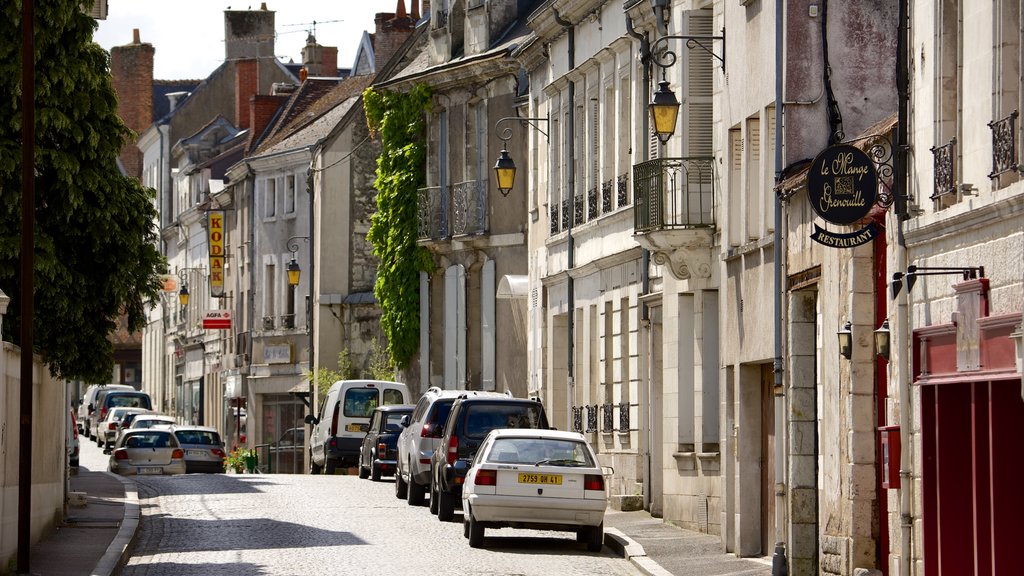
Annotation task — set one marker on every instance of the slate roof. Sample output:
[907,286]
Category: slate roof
[161,88]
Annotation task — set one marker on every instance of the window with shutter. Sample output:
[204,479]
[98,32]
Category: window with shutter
[735,196]
[698,70]
[754,210]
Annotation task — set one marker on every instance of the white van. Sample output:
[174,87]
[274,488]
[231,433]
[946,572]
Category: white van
[344,417]
[87,409]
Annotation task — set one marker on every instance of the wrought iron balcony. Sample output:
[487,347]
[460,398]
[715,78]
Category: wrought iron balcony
[433,213]
[945,170]
[674,212]
[592,204]
[1004,145]
[469,208]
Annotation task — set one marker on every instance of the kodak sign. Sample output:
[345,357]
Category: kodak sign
[215,228]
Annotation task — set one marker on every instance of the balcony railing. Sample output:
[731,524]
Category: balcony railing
[553,215]
[945,169]
[1004,145]
[623,190]
[606,196]
[469,207]
[433,213]
[592,204]
[674,193]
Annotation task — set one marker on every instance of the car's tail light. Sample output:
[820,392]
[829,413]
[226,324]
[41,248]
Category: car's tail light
[178,454]
[334,420]
[382,450]
[120,454]
[486,477]
[593,482]
[103,414]
[453,449]
[112,426]
[426,431]
[219,453]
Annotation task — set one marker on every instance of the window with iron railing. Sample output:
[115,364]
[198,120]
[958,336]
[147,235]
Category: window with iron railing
[469,201]
[674,193]
[433,213]
[553,216]
[945,175]
[606,196]
[592,204]
[1004,145]
[578,210]
[622,190]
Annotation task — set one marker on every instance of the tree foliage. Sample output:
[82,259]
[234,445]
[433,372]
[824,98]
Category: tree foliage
[96,256]
[399,119]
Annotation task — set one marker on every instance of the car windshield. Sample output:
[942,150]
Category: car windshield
[540,451]
[130,401]
[201,437]
[482,418]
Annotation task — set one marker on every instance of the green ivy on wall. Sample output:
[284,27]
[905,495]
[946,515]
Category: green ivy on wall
[398,117]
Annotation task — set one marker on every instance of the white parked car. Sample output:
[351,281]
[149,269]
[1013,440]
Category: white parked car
[147,451]
[537,479]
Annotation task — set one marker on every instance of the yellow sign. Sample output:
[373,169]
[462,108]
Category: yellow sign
[215,229]
[540,478]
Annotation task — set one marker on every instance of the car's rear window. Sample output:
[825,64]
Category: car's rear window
[393,397]
[204,437]
[549,451]
[360,402]
[481,418]
[149,439]
[442,408]
[393,421]
[128,400]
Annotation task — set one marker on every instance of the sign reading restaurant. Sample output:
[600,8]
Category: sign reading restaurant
[842,186]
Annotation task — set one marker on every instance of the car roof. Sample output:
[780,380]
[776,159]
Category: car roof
[190,428]
[536,433]
[478,396]
[163,417]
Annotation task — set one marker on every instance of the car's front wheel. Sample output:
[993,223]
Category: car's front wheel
[433,498]
[314,468]
[476,532]
[445,507]
[417,493]
[401,488]
[330,466]
[375,472]
[363,472]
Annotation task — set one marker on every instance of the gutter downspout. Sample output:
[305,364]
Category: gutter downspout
[780,565]
[903,337]
[570,133]
[250,184]
[645,260]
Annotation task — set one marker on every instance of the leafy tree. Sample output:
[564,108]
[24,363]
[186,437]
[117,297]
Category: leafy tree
[399,119]
[95,242]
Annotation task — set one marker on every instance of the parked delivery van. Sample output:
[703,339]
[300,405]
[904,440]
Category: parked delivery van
[344,418]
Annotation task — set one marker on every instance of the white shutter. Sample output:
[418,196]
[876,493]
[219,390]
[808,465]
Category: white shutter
[424,328]
[487,329]
[698,69]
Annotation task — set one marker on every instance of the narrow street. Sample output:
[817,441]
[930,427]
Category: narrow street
[299,524]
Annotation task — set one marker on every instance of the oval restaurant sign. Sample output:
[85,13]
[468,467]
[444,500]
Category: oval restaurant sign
[842,184]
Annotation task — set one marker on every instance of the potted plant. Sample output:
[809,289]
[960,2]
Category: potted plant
[236,459]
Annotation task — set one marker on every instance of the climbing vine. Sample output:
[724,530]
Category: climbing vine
[398,117]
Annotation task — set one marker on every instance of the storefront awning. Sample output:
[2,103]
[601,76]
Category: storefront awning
[513,287]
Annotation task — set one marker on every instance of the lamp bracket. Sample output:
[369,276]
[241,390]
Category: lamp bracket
[665,58]
[967,272]
[506,134]
[182,273]
[293,244]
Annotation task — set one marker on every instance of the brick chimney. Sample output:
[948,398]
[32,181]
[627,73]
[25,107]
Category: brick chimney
[391,32]
[249,33]
[262,108]
[131,69]
[319,60]
[247,83]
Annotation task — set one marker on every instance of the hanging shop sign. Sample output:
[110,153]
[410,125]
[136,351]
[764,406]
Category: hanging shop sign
[217,320]
[215,230]
[842,186]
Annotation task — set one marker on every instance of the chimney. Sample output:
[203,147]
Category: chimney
[249,33]
[262,108]
[131,70]
[414,9]
[247,81]
[319,60]
[391,32]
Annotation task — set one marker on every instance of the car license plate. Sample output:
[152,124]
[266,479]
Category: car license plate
[196,452]
[540,479]
[150,470]
[356,427]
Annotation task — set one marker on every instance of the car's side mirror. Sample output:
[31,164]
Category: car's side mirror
[461,466]
[311,420]
[405,421]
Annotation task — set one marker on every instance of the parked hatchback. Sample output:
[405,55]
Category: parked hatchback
[421,435]
[379,449]
[204,449]
[148,451]
[538,479]
[473,416]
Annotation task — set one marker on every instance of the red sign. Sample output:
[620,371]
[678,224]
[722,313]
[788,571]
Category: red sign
[217,320]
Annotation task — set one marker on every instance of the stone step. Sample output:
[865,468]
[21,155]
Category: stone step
[627,502]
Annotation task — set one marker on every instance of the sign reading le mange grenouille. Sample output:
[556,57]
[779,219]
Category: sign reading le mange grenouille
[842,184]
[215,229]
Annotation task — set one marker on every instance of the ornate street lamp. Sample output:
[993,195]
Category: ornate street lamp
[664,109]
[294,271]
[846,340]
[505,167]
[882,340]
[183,295]
[664,105]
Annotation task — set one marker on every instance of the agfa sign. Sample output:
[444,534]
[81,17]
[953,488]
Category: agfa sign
[217,320]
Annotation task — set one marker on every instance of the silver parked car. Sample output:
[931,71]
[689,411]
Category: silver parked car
[204,449]
[420,436]
[147,451]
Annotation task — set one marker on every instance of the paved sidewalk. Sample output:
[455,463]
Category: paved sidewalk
[661,549]
[93,537]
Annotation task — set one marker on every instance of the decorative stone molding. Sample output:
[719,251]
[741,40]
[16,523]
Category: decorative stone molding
[686,252]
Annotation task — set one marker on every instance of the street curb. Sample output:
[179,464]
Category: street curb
[632,550]
[117,553]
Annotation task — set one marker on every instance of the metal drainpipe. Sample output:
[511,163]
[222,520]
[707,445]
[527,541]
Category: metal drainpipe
[645,256]
[570,131]
[780,566]
[251,184]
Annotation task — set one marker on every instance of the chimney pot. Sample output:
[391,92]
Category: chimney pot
[136,39]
